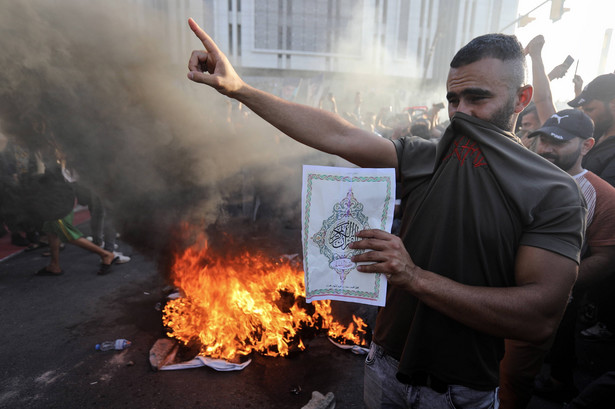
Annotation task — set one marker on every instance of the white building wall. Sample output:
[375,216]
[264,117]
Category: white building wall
[371,43]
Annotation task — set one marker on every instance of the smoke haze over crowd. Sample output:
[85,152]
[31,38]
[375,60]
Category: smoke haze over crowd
[127,119]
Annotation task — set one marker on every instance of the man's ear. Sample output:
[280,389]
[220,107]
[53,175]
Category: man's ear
[524,97]
[588,144]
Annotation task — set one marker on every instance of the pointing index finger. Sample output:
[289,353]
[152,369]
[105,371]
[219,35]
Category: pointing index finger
[209,44]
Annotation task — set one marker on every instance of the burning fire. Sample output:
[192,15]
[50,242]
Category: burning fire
[236,305]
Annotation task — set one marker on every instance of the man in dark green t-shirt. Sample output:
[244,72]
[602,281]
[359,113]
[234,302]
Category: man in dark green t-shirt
[490,235]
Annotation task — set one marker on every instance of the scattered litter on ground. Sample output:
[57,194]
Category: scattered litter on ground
[320,401]
[174,295]
[217,364]
[118,345]
[162,352]
[356,349]
[163,356]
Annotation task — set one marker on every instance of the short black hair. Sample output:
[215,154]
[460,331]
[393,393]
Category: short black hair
[501,46]
[504,47]
[530,109]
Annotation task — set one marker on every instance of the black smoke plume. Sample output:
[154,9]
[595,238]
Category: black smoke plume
[156,148]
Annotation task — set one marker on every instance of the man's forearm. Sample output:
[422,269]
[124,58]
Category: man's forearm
[319,129]
[529,311]
[507,312]
[542,89]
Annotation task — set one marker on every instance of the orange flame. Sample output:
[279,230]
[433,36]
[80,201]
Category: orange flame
[237,305]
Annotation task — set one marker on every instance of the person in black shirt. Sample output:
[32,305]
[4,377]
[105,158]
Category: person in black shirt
[597,100]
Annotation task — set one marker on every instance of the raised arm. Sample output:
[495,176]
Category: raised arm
[319,129]
[578,85]
[542,88]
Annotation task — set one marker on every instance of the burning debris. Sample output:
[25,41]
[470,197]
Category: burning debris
[169,355]
[162,353]
[236,305]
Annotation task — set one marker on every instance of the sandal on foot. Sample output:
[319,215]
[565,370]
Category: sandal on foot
[106,268]
[36,246]
[33,246]
[44,272]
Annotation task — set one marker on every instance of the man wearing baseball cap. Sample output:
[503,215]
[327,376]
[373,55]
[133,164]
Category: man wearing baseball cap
[564,139]
[598,101]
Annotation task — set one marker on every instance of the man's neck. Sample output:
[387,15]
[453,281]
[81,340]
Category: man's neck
[575,169]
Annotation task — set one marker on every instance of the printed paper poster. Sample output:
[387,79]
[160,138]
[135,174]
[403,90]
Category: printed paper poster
[336,204]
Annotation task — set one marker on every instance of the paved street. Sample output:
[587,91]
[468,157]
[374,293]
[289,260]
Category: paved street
[50,326]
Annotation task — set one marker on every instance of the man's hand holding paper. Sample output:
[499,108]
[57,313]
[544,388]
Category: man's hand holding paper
[388,256]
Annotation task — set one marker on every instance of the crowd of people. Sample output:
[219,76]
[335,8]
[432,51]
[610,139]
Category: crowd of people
[418,121]
[504,241]
[39,197]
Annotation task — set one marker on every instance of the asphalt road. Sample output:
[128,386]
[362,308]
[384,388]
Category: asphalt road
[50,326]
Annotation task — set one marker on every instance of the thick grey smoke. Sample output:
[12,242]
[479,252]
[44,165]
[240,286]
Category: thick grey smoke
[129,122]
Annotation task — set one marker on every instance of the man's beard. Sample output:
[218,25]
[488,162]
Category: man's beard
[565,162]
[603,124]
[503,118]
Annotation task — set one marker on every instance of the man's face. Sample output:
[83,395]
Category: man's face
[530,122]
[563,154]
[481,89]
[600,113]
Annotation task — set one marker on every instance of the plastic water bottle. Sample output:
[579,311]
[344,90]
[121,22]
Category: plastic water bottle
[118,345]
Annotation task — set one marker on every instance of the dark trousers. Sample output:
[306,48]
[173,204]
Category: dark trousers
[597,395]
